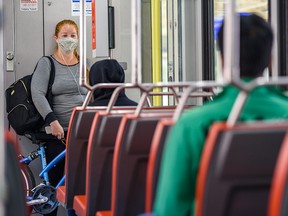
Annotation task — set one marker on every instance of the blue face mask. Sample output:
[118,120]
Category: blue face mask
[67,44]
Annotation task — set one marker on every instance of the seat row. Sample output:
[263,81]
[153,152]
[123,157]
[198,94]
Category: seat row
[113,161]
[106,159]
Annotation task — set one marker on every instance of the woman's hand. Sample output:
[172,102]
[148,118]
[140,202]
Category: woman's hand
[57,129]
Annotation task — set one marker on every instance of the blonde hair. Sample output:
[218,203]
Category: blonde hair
[59,27]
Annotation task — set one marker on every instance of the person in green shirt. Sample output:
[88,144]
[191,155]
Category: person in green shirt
[181,156]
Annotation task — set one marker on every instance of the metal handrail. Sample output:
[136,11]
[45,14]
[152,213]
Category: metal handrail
[192,88]
[146,89]
[91,89]
[192,94]
[246,88]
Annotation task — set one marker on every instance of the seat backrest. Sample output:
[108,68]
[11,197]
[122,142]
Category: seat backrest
[100,152]
[130,164]
[155,157]
[99,161]
[278,196]
[236,168]
[76,150]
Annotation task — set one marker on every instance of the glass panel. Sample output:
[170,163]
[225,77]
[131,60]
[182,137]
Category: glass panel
[164,32]
[164,21]
[253,6]
[170,44]
[260,7]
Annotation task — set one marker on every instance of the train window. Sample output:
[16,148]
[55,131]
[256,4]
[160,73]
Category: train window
[253,6]
[164,45]
[261,7]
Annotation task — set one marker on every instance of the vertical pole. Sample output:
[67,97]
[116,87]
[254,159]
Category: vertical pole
[156,46]
[93,28]
[231,42]
[82,43]
[274,25]
[136,41]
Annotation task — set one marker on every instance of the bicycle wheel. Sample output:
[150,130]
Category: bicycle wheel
[28,179]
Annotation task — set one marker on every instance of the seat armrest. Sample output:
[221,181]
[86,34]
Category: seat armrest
[104,213]
[60,194]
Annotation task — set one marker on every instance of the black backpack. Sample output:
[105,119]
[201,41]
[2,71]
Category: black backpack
[22,114]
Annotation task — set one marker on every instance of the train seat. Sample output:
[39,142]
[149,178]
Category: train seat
[75,161]
[278,196]
[130,164]
[158,143]
[99,165]
[236,168]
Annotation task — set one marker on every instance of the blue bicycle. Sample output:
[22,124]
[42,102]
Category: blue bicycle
[41,197]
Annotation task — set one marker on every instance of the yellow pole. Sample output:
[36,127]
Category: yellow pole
[156,47]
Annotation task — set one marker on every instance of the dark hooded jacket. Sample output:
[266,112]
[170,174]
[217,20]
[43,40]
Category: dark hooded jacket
[108,71]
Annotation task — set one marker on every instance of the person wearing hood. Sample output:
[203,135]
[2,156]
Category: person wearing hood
[108,71]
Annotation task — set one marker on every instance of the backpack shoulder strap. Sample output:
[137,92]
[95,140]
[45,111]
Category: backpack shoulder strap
[49,95]
[52,73]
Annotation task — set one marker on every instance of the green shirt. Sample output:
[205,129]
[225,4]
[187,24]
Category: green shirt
[176,187]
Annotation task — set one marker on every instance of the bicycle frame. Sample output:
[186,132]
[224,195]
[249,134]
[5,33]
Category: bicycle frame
[40,152]
[47,167]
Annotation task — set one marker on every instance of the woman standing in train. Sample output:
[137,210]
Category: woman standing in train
[66,91]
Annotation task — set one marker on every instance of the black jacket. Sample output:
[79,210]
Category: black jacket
[108,71]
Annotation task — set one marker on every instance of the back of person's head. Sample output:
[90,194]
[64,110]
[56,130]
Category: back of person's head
[256,39]
[105,71]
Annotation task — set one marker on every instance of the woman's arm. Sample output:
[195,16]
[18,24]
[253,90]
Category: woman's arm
[39,86]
